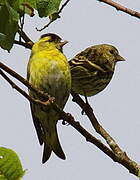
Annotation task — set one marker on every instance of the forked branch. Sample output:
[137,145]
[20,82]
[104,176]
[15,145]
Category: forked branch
[115,153]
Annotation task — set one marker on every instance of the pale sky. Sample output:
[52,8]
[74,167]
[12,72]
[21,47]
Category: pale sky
[83,23]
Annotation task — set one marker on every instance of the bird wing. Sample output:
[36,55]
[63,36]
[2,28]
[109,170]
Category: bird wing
[37,125]
[85,63]
[36,122]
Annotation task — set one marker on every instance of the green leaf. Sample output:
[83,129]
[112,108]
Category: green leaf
[47,7]
[14,16]
[25,6]
[31,3]
[27,9]
[10,13]
[54,16]
[8,25]
[10,165]
[2,177]
[2,2]
[21,6]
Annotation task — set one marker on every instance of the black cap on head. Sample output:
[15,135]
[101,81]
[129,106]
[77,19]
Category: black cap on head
[54,37]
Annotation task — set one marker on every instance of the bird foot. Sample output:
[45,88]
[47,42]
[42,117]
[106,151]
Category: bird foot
[85,108]
[65,123]
[51,99]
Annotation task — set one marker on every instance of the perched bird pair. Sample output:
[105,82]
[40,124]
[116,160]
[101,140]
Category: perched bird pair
[48,70]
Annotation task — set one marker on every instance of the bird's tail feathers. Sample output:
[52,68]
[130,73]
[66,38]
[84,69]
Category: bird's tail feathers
[56,147]
[46,153]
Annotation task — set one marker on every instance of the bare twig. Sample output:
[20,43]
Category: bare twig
[24,35]
[62,7]
[99,129]
[24,44]
[52,20]
[123,159]
[14,86]
[121,8]
[120,155]
[24,81]
[28,43]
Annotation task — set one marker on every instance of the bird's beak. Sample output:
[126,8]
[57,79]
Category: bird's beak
[61,44]
[120,58]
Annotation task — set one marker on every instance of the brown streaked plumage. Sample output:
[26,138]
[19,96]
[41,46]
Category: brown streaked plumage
[93,68]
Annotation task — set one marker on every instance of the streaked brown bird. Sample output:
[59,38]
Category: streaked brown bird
[93,68]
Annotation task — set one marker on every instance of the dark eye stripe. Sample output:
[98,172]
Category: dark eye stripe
[111,51]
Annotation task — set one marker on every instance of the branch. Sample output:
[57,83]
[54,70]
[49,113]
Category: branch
[120,155]
[14,86]
[123,159]
[64,116]
[23,35]
[24,81]
[121,8]
[99,129]
[28,43]
[41,29]
[62,7]
[24,44]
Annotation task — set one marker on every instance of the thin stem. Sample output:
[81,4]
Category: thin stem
[99,129]
[52,20]
[63,5]
[24,35]
[24,81]
[121,8]
[24,44]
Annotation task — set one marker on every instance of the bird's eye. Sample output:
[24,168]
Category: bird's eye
[111,51]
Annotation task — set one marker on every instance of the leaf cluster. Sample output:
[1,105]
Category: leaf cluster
[12,11]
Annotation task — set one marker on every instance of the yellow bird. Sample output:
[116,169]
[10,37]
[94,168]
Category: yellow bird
[48,71]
